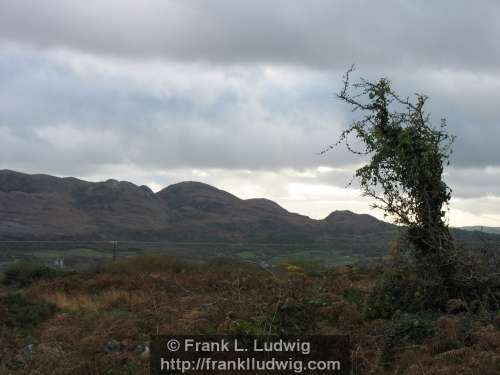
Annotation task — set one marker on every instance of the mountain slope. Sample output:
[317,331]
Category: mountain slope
[47,207]
[42,207]
[492,230]
[203,212]
[348,222]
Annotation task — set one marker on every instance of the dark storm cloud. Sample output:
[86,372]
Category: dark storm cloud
[319,33]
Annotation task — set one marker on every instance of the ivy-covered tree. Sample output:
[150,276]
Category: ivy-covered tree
[404,172]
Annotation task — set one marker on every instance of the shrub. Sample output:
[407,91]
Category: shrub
[477,280]
[299,264]
[252,326]
[23,274]
[293,317]
[406,329]
[406,286]
[20,312]
[148,264]
[401,288]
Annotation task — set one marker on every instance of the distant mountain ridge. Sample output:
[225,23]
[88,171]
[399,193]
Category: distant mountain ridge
[43,207]
[479,228]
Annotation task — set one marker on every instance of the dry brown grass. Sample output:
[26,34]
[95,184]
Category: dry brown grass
[108,299]
[126,307]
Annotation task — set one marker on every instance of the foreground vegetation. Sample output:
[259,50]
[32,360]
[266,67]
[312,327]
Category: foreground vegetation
[99,321]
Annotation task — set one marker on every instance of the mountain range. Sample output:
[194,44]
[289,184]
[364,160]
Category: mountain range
[43,207]
[479,228]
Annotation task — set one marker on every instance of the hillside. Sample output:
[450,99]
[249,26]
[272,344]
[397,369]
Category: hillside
[42,207]
[492,230]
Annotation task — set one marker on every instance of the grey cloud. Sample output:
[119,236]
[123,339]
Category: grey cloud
[52,115]
[318,33]
[474,182]
[117,114]
[482,208]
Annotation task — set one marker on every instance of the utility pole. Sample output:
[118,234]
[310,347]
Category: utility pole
[115,243]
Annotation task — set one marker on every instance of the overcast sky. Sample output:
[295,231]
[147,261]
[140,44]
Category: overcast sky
[241,94]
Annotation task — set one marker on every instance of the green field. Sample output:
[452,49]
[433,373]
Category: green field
[84,255]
